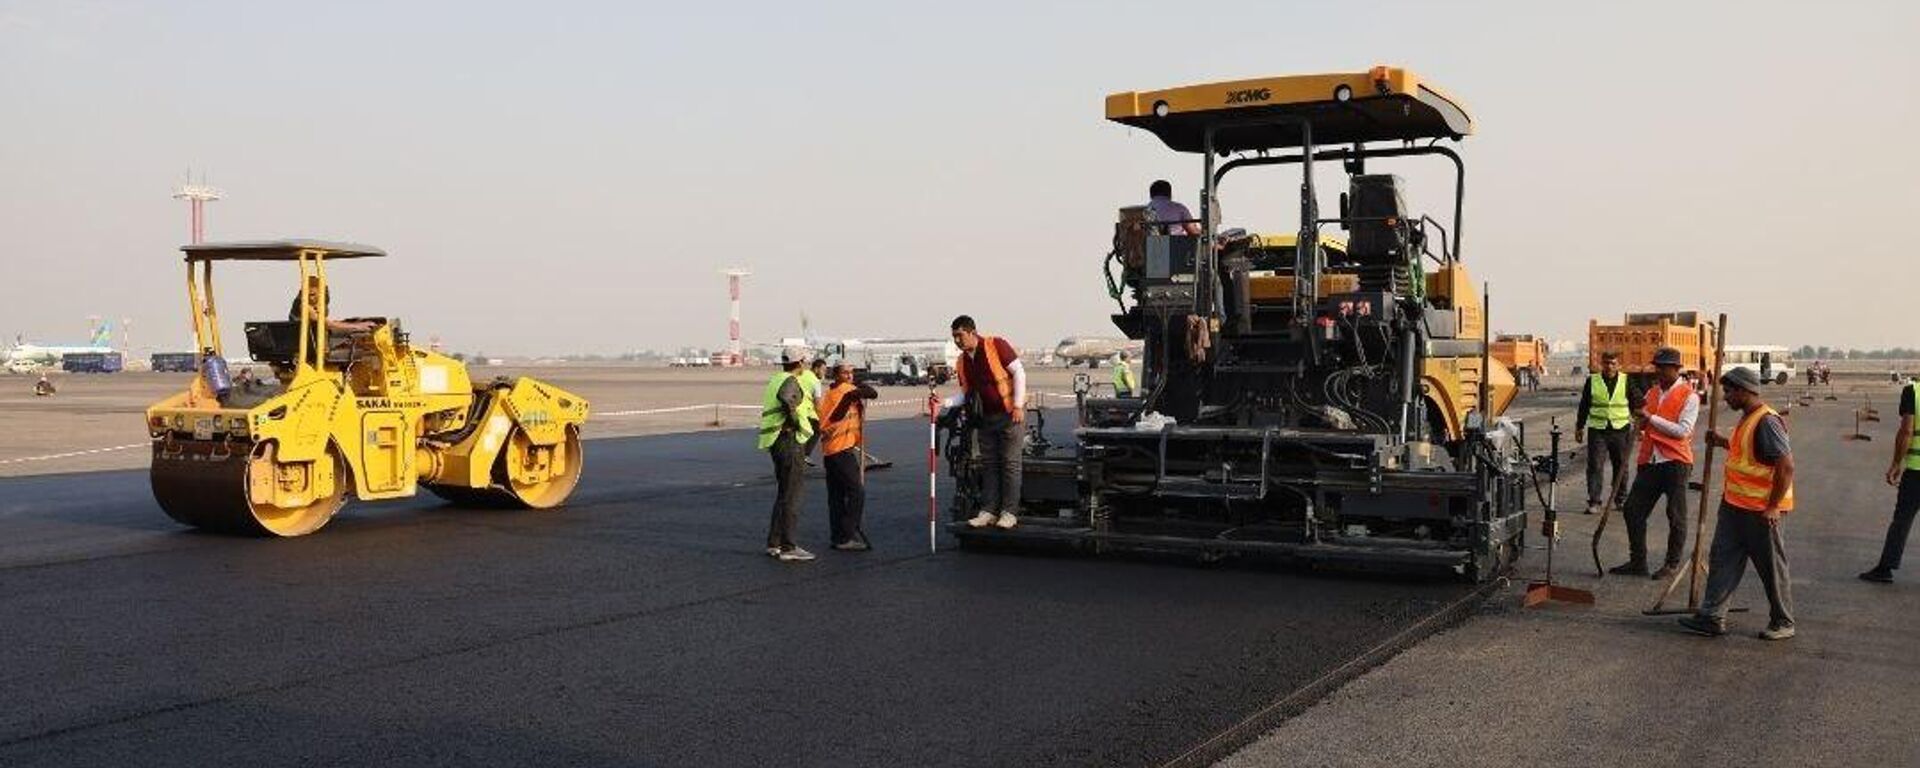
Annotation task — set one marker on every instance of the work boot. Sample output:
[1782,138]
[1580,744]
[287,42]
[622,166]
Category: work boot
[1007,521]
[1704,625]
[1629,568]
[981,520]
[1776,632]
[1878,575]
[795,555]
[1666,572]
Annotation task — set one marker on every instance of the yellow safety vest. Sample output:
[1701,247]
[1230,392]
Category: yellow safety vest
[773,413]
[1913,444]
[1748,482]
[1123,377]
[1608,410]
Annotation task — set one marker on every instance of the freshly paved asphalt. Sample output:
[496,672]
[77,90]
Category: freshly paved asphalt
[643,625]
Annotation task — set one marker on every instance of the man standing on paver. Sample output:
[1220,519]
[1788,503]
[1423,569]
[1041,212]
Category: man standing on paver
[1665,462]
[1757,494]
[1905,475]
[993,386]
[1606,410]
[786,425]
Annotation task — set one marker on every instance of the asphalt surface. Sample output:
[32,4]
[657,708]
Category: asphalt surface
[1605,685]
[643,625]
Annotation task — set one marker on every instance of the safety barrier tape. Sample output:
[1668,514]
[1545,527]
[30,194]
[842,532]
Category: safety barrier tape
[71,454]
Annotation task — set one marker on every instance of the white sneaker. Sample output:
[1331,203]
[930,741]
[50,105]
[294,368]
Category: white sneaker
[1007,521]
[795,555]
[981,520]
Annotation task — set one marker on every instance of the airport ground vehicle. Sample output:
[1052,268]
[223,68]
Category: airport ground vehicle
[1644,333]
[360,411]
[1333,403]
[173,362]
[92,362]
[1774,364]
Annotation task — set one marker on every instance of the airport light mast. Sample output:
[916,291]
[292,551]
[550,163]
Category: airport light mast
[197,197]
[734,356]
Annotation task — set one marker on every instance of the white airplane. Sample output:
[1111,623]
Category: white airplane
[31,358]
[1094,350]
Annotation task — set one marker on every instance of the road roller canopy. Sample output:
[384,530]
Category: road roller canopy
[277,250]
[1383,104]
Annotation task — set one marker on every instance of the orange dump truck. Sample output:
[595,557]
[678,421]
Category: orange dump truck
[1519,351]
[1643,333]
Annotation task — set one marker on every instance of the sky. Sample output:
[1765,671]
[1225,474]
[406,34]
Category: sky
[563,177]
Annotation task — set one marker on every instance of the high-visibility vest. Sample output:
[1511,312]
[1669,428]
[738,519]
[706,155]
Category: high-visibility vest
[841,434]
[809,383]
[1913,444]
[773,413]
[1667,404]
[1123,377]
[1002,380]
[1608,410]
[1749,482]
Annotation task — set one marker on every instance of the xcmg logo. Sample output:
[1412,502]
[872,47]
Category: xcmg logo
[1249,95]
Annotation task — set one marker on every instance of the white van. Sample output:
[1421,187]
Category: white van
[1773,364]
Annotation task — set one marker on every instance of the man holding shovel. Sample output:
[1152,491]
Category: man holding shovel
[1757,493]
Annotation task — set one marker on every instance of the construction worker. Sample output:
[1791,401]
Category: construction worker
[811,383]
[993,386]
[1164,210]
[786,426]
[1904,474]
[43,387]
[1605,411]
[1665,462]
[321,302]
[843,414]
[1123,382]
[1758,492]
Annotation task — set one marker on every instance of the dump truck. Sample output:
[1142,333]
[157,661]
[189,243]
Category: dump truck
[1641,334]
[354,409]
[1520,350]
[1322,395]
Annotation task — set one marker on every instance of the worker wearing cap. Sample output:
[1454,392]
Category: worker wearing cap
[1665,462]
[1123,382]
[1606,411]
[842,418]
[1757,495]
[786,425]
[1905,475]
[43,387]
[993,385]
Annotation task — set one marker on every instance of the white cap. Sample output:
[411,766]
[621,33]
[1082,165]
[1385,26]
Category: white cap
[794,354]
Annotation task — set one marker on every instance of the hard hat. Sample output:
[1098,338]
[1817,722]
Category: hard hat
[1667,356]
[1742,377]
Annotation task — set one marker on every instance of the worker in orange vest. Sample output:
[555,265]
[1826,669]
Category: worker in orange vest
[843,413]
[1756,496]
[1665,462]
[993,385]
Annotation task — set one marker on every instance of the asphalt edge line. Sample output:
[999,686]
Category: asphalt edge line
[1230,740]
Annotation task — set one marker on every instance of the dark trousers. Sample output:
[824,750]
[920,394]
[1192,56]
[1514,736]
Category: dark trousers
[846,497]
[1650,482]
[1000,440]
[789,468]
[1604,445]
[1740,537]
[1905,505]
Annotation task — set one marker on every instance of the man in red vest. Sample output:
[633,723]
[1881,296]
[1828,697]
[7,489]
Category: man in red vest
[993,386]
[1665,423]
[1758,493]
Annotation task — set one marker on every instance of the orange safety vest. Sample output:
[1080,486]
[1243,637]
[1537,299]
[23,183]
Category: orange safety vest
[840,434]
[1002,381]
[1667,404]
[1748,481]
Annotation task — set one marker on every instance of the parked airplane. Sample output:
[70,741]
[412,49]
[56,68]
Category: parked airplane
[1094,350]
[29,358]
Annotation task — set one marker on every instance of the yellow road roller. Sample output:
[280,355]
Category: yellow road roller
[352,407]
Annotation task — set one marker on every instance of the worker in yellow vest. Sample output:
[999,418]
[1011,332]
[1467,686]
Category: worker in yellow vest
[1905,475]
[1123,381]
[1665,462]
[993,384]
[812,382]
[843,413]
[1757,493]
[1605,413]
[786,426]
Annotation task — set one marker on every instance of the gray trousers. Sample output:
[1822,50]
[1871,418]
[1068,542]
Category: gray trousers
[1739,537]
[1604,445]
[1905,505]
[1650,482]
[1000,440]
[789,468]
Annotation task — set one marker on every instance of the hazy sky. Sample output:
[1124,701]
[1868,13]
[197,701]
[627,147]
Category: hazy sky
[568,177]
